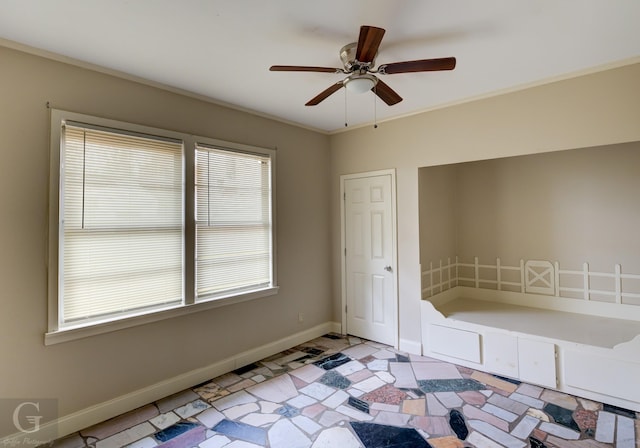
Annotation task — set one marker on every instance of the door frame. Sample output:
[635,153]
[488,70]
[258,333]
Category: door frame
[394,244]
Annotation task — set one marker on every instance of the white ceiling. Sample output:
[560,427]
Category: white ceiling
[222,49]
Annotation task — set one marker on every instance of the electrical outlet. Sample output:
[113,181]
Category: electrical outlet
[300,317]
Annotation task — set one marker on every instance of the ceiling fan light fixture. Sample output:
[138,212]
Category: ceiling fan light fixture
[360,83]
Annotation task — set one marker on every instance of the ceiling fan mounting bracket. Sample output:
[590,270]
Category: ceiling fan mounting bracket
[349,61]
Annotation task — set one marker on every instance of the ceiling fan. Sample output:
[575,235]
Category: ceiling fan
[358,59]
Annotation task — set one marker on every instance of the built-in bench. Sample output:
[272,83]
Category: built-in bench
[582,347]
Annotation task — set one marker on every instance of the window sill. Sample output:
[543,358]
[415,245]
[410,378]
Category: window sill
[71,334]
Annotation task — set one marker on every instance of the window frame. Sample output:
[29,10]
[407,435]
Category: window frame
[190,303]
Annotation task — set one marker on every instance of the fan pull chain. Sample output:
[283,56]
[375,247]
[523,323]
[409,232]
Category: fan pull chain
[345,108]
[375,111]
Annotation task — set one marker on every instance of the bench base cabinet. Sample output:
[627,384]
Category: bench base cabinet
[532,344]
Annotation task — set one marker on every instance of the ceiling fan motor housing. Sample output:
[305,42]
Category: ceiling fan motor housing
[349,61]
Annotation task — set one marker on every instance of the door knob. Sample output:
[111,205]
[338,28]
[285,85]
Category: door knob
[388,268]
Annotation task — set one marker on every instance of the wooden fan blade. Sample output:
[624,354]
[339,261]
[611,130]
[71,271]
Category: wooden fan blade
[302,68]
[386,93]
[325,94]
[368,43]
[422,65]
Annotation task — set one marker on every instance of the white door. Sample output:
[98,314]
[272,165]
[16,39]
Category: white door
[369,243]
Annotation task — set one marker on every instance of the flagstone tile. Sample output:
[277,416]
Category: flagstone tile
[473,397]
[241,385]
[384,354]
[386,377]
[449,399]
[560,431]
[434,407]
[625,434]
[336,438]
[227,379]
[438,426]
[336,399]
[378,364]
[277,389]
[528,400]
[331,418]
[163,421]
[355,392]
[384,407]
[479,441]
[529,390]
[284,360]
[301,401]
[559,399]
[306,424]
[508,404]
[353,413]
[493,381]
[403,374]
[359,351]
[360,375]
[242,431]
[500,413]
[333,361]
[211,391]
[370,384]
[525,427]
[235,399]
[349,367]
[473,413]
[334,379]
[496,435]
[415,407]
[386,394]
[308,373]
[241,410]
[318,391]
[373,435]
[216,441]
[435,371]
[191,409]
[314,410]
[257,419]
[446,442]
[210,418]
[392,418]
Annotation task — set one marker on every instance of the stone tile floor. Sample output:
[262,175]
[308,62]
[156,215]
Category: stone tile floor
[344,392]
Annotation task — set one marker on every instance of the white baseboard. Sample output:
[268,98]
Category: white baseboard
[84,418]
[413,347]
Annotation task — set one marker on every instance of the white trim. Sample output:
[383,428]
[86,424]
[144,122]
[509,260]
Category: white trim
[343,245]
[413,347]
[70,334]
[100,412]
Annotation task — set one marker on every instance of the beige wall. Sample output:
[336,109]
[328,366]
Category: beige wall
[571,206]
[592,110]
[438,207]
[93,370]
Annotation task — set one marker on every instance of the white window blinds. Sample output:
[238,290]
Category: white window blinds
[233,222]
[121,224]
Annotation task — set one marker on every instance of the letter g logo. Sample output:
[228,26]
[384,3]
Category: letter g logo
[32,419]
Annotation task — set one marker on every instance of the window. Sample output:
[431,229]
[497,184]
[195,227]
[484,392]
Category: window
[233,221]
[146,224]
